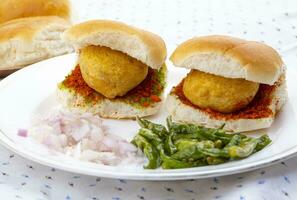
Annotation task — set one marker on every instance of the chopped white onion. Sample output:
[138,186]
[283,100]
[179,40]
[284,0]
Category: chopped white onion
[23,132]
[83,136]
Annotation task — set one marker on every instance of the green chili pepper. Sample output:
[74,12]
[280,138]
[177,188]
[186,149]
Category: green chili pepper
[263,141]
[150,135]
[178,128]
[171,163]
[218,144]
[244,149]
[235,140]
[215,161]
[215,152]
[169,146]
[190,151]
[188,145]
[156,128]
[149,151]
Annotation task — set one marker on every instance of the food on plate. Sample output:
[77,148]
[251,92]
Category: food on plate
[113,68]
[232,81]
[10,10]
[187,145]
[206,91]
[82,136]
[28,40]
[120,72]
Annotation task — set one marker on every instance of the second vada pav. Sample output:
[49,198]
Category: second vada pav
[120,71]
[233,82]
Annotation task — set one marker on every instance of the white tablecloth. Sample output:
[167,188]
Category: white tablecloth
[273,22]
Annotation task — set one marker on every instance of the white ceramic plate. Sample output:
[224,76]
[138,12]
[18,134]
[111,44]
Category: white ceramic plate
[31,91]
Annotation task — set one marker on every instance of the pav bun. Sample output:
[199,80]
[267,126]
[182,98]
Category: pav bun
[10,9]
[121,69]
[142,45]
[28,40]
[231,59]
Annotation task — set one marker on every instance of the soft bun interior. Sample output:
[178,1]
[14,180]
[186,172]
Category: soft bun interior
[28,40]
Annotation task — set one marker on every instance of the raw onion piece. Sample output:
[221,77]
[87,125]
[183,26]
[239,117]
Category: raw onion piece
[83,136]
[22,132]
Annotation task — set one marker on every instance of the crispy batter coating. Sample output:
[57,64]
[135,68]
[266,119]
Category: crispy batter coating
[110,72]
[218,93]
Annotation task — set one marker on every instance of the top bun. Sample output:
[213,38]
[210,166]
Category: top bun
[230,57]
[10,9]
[142,45]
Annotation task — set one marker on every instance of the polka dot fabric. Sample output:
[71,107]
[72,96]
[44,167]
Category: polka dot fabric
[272,22]
[23,179]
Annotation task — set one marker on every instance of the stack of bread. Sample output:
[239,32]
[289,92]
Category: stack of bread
[30,31]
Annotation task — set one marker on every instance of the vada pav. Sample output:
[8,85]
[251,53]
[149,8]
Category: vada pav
[120,72]
[233,82]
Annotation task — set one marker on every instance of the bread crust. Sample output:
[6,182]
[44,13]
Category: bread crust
[25,29]
[28,40]
[10,10]
[230,57]
[142,45]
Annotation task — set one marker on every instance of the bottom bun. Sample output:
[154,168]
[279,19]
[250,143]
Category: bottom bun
[143,100]
[105,108]
[182,112]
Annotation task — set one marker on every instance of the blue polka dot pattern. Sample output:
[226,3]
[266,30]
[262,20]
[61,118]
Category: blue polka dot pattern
[272,22]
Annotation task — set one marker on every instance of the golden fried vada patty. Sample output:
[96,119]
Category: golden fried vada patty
[218,93]
[110,72]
